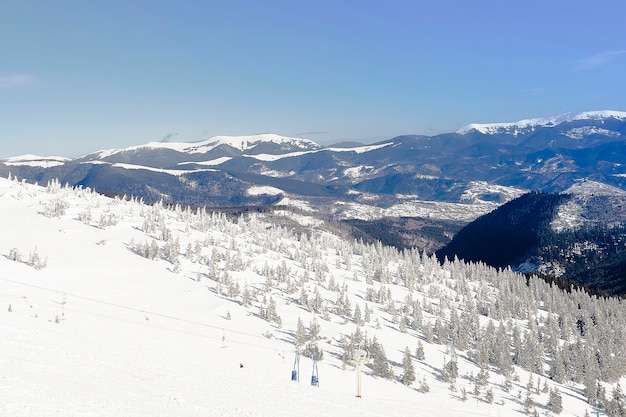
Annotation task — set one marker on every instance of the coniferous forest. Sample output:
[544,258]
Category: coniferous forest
[520,233]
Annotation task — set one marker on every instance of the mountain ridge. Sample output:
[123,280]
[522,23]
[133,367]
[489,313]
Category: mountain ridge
[427,177]
[493,128]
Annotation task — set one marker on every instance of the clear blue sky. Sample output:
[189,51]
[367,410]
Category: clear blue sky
[80,76]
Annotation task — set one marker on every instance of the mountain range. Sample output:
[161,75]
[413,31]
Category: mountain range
[409,191]
[484,164]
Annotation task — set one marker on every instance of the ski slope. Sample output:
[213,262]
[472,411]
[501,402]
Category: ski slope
[95,329]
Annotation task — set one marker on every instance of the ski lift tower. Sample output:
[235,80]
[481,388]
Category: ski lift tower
[295,373]
[360,359]
[314,376]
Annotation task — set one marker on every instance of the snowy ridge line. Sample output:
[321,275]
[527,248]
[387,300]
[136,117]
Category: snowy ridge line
[491,128]
[241,143]
[152,313]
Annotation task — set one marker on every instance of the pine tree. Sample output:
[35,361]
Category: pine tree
[368,313]
[314,330]
[357,315]
[317,303]
[300,333]
[428,331]
[409,371]
[591,387]
[380,363]
[616,407]
[303,300]
[555,401]
[419,351]
[272,313]
[246,298]
[529,404]
[449,371]
[424,387]
[489,396]
[402,325]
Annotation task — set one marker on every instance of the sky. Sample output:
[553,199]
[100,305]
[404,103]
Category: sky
[77,76]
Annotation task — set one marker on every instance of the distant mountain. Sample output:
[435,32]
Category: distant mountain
[528,125]
[578,236]
[453,177]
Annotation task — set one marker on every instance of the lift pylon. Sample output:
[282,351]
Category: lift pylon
[314,376]
[295,373]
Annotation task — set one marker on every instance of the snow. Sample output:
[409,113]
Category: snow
[99,330]
[478,189]
[361,149]
[275,157]
[570,215]
[244,143]
[276,174]
[473,204]
[263,190]
[439,210]
[36,161]
[518,127]
[241,143]
[212,162]
[358,171]
[175,172]
[580,132]
[412,206]
[588,188]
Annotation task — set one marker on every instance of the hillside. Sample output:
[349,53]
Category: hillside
[508,235]
[574,238]
[112,306]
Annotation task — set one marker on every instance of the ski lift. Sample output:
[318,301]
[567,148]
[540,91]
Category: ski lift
[360,357]
[314,376]
[295,373]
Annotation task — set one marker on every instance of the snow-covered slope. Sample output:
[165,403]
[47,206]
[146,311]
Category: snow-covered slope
[36,161]
[241,143]
[112,307]
[514,128]
[577,212]
[587,188]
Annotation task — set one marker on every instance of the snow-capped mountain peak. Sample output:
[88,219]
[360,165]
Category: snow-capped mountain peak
[244,143]
[241,143]
[520,126]
[36,160]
